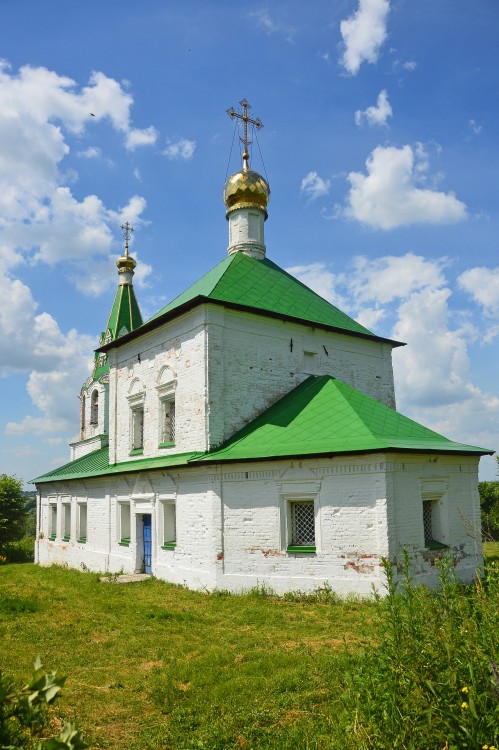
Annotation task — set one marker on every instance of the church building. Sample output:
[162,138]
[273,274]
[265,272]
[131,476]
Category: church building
[247,435]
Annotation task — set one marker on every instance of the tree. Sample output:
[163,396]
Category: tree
[489,505]
[13,511]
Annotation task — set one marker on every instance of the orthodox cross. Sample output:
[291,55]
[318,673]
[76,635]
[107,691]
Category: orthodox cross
[246,119]
[127,235]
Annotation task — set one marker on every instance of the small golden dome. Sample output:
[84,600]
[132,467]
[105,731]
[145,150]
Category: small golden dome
[126,264]
[246,189]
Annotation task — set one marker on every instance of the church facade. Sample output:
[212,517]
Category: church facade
[247,435]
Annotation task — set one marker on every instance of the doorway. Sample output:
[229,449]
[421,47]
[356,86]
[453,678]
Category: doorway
[147,541]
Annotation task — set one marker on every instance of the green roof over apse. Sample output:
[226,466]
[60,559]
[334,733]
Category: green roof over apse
[96,464]
[125,316]
[325,416]
[262,287]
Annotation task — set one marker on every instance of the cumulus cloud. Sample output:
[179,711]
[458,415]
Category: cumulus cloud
[408,298]
[364,33]
[146,137]
[389,195]
[41,218]
[378,114]
[183,149]
[314,186]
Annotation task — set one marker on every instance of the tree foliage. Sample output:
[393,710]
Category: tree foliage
[13,512]
[489,505]
[23,714]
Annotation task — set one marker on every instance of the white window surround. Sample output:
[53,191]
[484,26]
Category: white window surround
[52,526]
[434,514]
[136,405]
[295,492]
[124,523]
[169,524]
[166,414]
[81,520]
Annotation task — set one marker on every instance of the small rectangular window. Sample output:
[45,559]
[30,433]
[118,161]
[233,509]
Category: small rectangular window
[310,360]
[82,522]
[137,428]
[66,520]
[302,526]
[167,436]
[169,526]
[52,521]
[124,524]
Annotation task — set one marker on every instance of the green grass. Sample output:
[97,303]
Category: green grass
[151,665]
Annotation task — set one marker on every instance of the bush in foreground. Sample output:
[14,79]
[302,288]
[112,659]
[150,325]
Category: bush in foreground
[434,679]
[23,714]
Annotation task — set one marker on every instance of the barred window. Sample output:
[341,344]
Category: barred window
[168,424]
[427,520]
[302,524]
[94,411]
[137,428]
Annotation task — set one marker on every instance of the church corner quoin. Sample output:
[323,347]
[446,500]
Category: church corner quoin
[247,435]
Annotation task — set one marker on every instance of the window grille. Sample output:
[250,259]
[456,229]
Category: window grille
[427,520]
[138,428]
[302,524]
[168,421]
[94,412]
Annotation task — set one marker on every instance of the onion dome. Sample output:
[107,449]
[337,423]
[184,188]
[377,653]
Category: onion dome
[246,189]
[126,263]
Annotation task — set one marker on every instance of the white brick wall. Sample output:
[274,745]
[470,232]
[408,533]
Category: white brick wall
[231,521]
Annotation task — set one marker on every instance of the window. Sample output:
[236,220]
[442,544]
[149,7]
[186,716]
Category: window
[94,409]
[52,521]
[66,521]
[169,526]
[137,428]
[310,363]
[167,436]
[302,526]
[82,522]
[433,527]
[82,419]
[124,524]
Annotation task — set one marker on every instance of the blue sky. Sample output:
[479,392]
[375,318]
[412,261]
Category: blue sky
[380,145]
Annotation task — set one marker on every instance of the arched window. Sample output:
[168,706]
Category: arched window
[82,415]
[94,412]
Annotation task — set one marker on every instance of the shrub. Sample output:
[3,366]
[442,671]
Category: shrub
[433,681]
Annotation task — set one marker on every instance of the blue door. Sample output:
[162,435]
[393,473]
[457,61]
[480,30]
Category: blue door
[147,538]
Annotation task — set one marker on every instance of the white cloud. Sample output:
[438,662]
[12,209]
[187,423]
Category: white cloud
[181,149]
[146,137]
[376,115]
[411,297]
[41,218]
[393,277]
[314,186]
[92,152]
[483,286]
[474,127]
[388,196]
[364,33]
[266,22]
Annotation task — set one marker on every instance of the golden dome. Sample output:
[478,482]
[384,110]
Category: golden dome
[246,189]
[126,264]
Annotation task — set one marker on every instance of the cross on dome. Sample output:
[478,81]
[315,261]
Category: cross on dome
[127,235]
[245,119]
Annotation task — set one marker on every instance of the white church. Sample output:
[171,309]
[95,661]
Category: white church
[247,435]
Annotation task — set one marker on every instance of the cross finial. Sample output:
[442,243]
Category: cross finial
[127,235]
[246,119]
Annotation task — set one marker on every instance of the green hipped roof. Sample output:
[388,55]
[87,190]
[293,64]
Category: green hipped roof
[96,464]
[265,287]
[321,416]
[125,316]
[325,416]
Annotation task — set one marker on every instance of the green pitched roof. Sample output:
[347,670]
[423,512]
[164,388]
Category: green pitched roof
[125,316]
[96,464]
[264,287]
[321,416]
[325,416]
